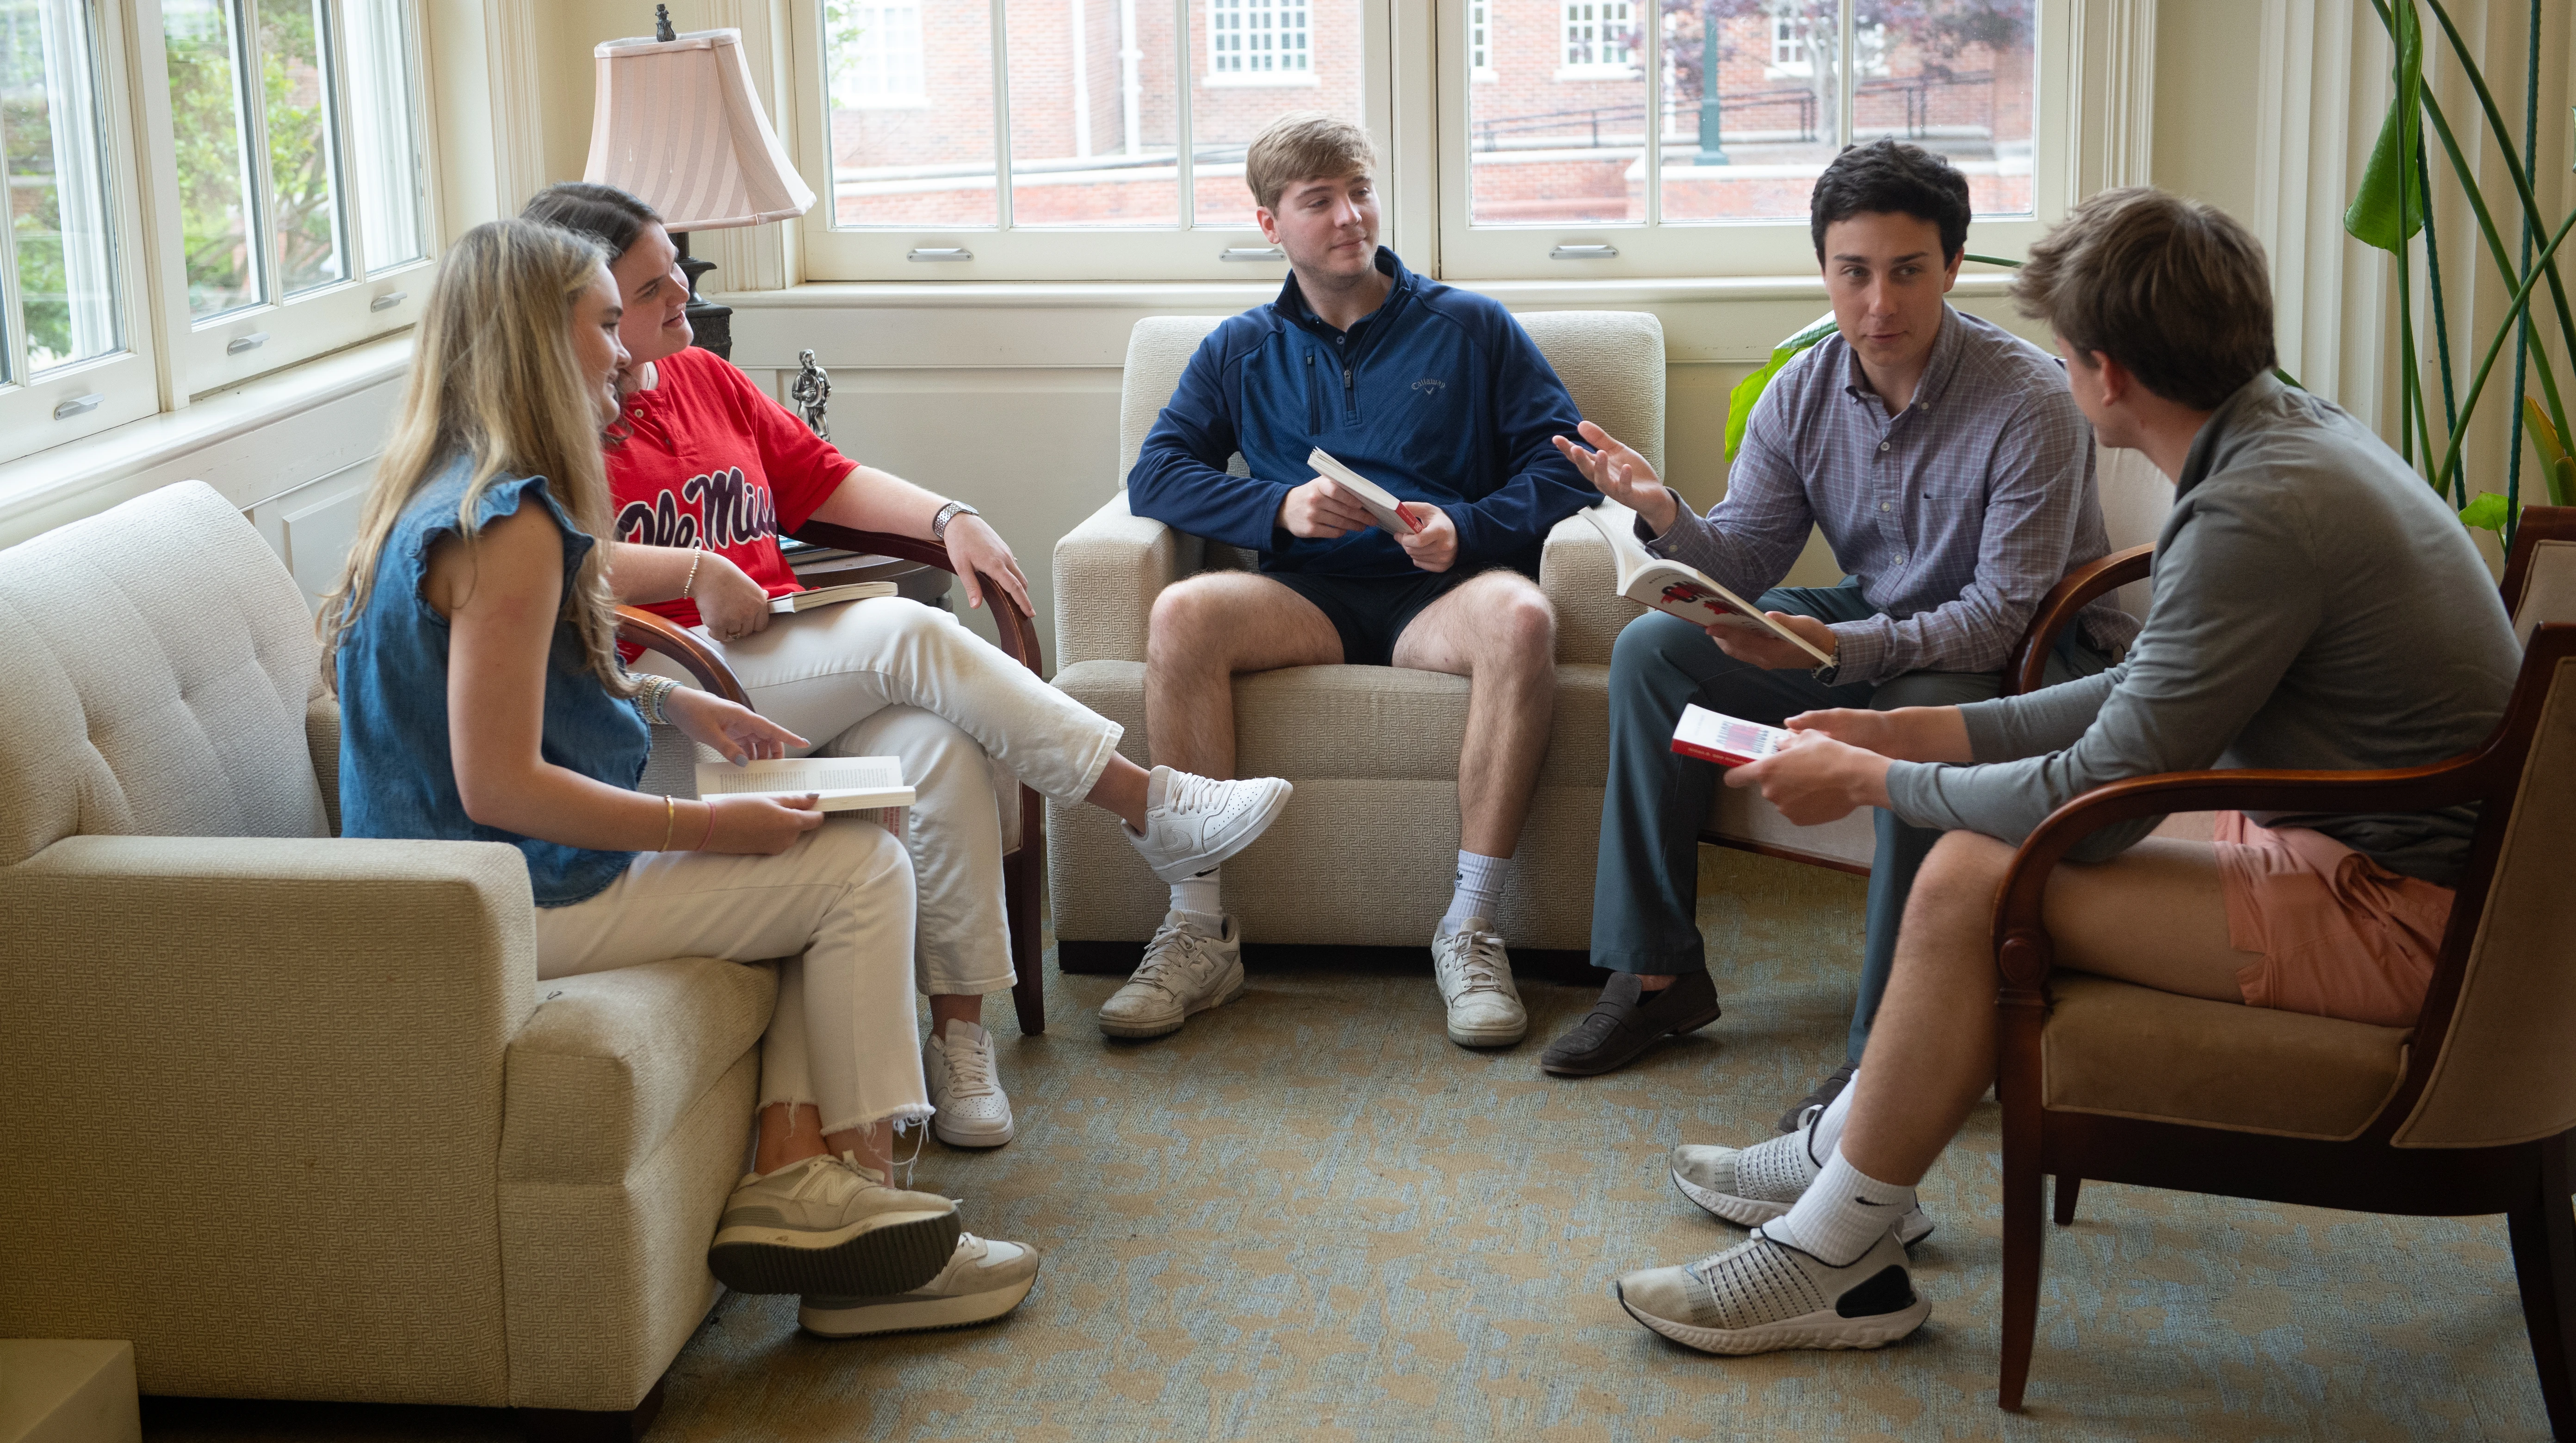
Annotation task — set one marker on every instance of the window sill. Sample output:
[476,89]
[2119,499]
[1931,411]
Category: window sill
[52,486]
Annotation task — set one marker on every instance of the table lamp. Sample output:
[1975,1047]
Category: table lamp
[678,125]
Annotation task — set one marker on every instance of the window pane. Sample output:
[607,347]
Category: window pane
[211,130]
[383,137]
[303,149]
[1755,152]
[1559,133]
[1259,60]
[1954,76]
[911,87]
[1094,135]
[57,184]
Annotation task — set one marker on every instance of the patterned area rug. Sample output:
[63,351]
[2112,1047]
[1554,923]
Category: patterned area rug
[1309,1215]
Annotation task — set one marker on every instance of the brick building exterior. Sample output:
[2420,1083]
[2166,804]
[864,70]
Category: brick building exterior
[1556,106]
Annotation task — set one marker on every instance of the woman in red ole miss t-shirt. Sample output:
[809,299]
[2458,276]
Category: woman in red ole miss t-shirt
[706,472]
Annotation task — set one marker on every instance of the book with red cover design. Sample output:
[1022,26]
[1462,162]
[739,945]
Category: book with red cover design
[1679,588]
[1728,741]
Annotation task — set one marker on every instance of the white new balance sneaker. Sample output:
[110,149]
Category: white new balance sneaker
[1193,823]
[1475,976]
[966,1087]
[1185,971]
[830,1225]
[1761,1296]
[982,1281]
[1751,1185]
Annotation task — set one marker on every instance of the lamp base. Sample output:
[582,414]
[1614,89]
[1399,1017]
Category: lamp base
[712,325]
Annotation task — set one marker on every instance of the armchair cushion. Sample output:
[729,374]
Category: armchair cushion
[610,1060]
[2127,1051]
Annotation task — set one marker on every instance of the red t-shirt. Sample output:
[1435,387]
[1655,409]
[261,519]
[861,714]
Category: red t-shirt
[710,461]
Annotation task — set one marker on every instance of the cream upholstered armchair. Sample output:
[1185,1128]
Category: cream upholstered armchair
[1361,858]
[292,1112]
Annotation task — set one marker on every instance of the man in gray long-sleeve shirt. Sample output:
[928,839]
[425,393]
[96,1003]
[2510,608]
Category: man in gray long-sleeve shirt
[1950,471]
[2316,606]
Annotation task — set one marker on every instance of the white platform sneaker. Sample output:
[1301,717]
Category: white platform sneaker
[1475,976]
[1193,823]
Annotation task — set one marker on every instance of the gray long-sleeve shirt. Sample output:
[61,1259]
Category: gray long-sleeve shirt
[2315,606]
[1957,513]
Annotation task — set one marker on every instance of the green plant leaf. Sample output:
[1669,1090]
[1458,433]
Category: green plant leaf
[2543,435]
[2561,476]
[1739,402]
[2487,511]
[2374,217]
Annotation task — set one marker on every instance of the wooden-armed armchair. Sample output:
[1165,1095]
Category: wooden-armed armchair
[2468,1112]
[1023,817]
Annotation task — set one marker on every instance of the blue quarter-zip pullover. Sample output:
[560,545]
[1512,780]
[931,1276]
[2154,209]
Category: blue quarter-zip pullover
[1438,395]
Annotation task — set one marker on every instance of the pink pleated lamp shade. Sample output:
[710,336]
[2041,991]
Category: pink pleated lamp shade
[678,125]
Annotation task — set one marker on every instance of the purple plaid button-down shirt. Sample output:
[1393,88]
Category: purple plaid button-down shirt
[1957,513]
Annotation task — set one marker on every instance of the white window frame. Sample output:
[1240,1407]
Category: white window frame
[915,59]
[170,357]
[1194,251]
[1654,249]
[1220,53]
[1596,18]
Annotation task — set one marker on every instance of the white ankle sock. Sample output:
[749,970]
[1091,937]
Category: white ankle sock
[1480,889]
[1841,1213]
[1198,896]
[1827,1134]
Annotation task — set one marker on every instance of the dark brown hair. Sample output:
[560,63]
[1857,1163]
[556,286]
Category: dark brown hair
[2173,289]
[589,208]
[1889,177]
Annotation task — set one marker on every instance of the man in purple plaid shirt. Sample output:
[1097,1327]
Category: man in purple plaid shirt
[1952,474]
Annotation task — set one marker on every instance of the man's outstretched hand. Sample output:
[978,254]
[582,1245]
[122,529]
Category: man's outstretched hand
[1622,475]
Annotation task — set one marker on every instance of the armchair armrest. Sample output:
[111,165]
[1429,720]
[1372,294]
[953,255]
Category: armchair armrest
[1108,570]
[655,632]
[1017,629]
[2026,670]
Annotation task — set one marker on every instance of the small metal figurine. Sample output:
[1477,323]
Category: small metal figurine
[662,24]
[811,391]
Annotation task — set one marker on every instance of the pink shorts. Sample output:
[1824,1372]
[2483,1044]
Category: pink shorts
[2333,932]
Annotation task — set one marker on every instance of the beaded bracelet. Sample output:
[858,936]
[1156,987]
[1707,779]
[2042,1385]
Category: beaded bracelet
[650,696]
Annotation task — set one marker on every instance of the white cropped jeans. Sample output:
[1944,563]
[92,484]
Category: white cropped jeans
[836,906]
[892,677]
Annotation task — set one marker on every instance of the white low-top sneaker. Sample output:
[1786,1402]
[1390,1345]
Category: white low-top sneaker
[966,1087]
[1475,976]
[1193,822]
[1751,1185]
[830,1225]
[1761,1296]
[982,1281]
[1185,971]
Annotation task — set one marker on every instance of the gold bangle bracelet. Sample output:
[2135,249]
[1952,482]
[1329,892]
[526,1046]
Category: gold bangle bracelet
[670,814]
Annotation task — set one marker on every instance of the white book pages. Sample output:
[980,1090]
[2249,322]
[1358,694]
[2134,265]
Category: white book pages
[1379,501]
[843,784]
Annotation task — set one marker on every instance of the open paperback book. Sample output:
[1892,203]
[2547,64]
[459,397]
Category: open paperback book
[1728,741]
[844,784]
[796,601]
[1381,503]
[1679,588]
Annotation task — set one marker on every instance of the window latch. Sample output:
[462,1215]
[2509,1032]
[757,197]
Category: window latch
[388,300]
[78,406]
[940,253]
[251,342]
[1251,253]
[1584,253]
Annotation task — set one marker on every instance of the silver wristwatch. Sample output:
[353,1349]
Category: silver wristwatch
[948,513]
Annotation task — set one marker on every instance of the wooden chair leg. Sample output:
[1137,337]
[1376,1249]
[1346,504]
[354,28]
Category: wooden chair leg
[1023,873]
[2068,1185]
[2544,1263]
[2022,1251]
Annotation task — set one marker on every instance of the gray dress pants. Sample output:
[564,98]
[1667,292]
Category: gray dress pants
[1645,889]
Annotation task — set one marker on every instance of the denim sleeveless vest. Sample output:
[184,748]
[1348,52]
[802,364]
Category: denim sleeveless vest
[397,775]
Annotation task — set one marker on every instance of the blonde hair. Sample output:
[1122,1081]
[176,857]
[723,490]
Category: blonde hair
[495,382]
[1304,145]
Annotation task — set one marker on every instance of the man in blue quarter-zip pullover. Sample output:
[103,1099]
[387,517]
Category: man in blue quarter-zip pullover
[1438,396]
